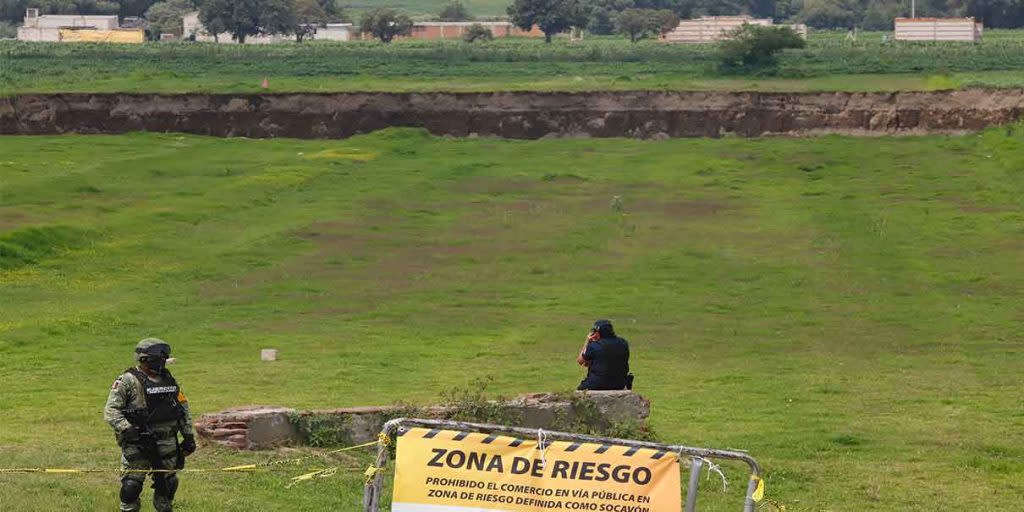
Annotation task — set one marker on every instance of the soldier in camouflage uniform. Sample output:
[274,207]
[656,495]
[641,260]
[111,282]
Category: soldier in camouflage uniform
[147,410]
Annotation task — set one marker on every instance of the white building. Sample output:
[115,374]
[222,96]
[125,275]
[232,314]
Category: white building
[711,29]
[47,27]
[937,29]
[193,27]
[335,32]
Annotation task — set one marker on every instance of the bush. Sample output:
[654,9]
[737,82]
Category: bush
[753,48]
[477,32]
[473,405]
[8,30]
[454,11]
[321,430]
[385,24]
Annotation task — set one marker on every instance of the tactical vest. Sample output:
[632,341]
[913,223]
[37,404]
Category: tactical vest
[161,400]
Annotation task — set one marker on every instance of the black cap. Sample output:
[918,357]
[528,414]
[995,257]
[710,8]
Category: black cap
[604,327]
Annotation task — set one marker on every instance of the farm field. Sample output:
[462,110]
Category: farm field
[848,310]
[600,63]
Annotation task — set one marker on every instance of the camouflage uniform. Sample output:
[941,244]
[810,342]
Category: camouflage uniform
[128,393]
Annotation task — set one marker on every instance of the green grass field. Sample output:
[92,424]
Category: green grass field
[597,63]
[430,8]
[848,310]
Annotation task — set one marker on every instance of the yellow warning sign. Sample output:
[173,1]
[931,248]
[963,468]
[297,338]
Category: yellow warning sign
[449,471]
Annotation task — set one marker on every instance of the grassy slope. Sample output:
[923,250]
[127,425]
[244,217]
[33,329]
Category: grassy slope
[846,309]
[510,64]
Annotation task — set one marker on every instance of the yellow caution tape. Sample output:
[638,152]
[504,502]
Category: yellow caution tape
[371,473]
[320,473]
[758,494]
[233,469]
[297,460]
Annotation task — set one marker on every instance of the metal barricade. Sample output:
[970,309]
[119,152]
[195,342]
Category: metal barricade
[373,489]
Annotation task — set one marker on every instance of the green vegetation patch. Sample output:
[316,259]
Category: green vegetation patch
[596,63]
[29,246]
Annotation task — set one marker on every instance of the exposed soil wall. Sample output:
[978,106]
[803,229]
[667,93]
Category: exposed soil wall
[516,115]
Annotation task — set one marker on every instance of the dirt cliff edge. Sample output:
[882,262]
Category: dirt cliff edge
[522,115]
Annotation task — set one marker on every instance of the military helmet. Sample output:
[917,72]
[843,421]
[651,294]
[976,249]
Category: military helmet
[604,327]
[152,347]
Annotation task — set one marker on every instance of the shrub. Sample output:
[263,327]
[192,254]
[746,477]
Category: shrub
[471,404]
[754,48]
[8,30]
[322,430]
[477,32]
[385,24]
[634,23]
[454,11]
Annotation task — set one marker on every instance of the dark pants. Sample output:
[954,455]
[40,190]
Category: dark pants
[602,384]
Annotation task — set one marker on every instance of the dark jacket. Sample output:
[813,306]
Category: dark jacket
[609,364]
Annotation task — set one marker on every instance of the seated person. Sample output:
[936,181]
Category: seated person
[606,357]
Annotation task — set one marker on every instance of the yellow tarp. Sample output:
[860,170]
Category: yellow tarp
[102,36]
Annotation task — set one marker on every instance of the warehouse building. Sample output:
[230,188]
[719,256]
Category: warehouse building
[937,29]
[73,27]
[712,29]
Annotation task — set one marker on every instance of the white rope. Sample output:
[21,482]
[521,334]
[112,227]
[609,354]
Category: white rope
[542,445]
[712,467]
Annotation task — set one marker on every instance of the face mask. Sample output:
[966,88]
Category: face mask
[156,364]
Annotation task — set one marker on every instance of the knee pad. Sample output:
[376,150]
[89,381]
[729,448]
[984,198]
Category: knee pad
[130,490]
[166,486]
[172,486]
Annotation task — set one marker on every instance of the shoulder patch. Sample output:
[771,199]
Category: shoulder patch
[116,384]
[181,397]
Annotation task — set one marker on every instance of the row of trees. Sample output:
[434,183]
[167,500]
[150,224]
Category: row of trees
[552,16]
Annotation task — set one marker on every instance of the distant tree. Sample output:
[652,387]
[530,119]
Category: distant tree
[454,11]
[601,21]
[601,15]
[8,30]
[753,47]
[477,32]
[72,7]
[879,16]
[634,23]
[133,7]
[165,17]
[830,13]
[12,10]
[309,14]
[278,17]
[333,11]
[994,13]
[246,18]
[551,16]
[637,23]
[240,18]
[385,24]
[664,21]
[212,15]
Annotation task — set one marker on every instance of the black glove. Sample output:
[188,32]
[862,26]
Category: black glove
[188,445]
[130,434]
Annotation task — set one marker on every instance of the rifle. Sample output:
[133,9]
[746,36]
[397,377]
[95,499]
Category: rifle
[150,449]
